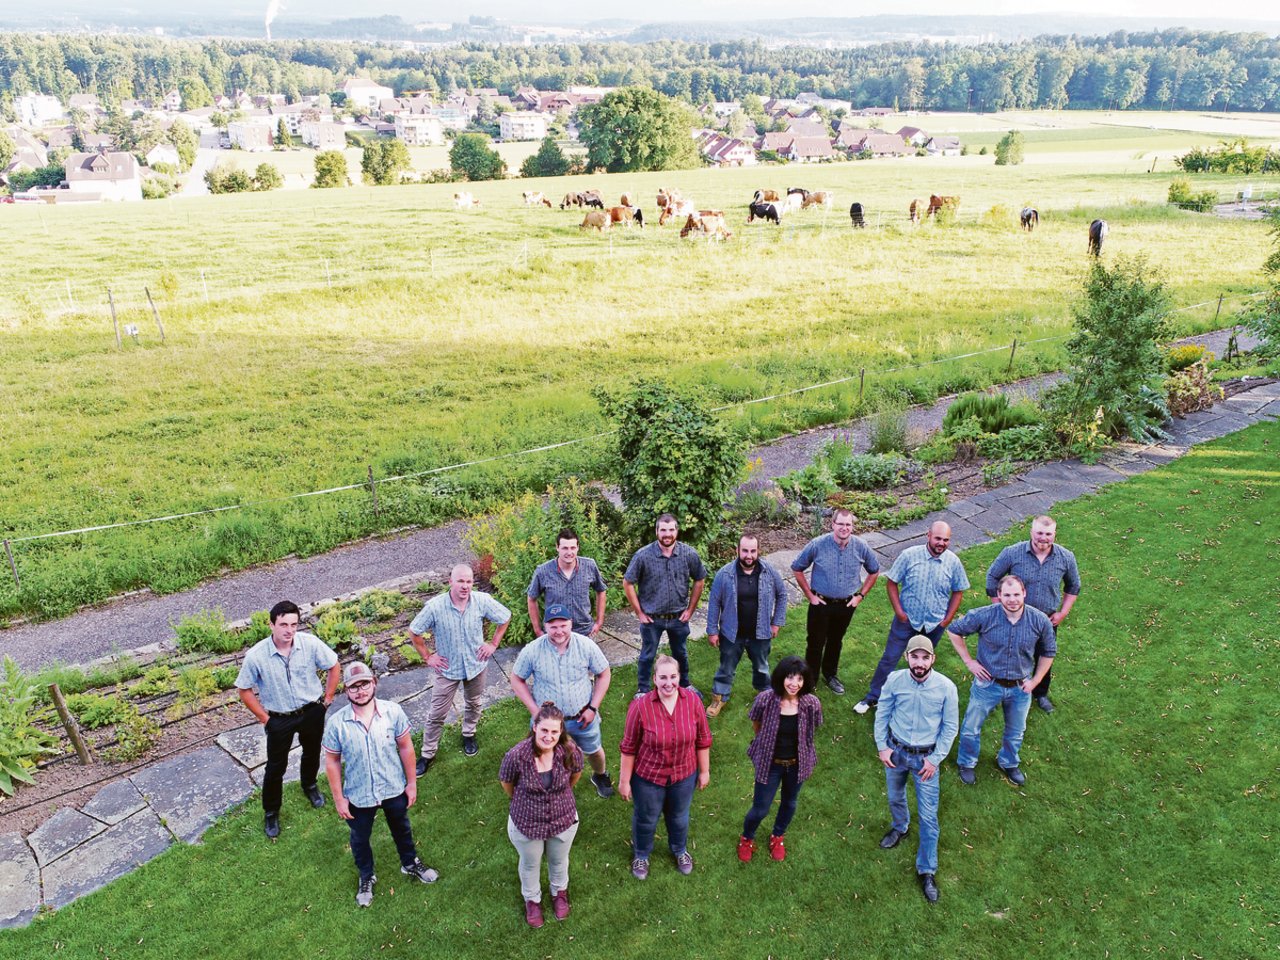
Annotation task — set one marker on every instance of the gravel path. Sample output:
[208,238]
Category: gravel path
[142,621]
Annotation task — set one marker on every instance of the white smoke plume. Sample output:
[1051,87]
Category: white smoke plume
[273,9]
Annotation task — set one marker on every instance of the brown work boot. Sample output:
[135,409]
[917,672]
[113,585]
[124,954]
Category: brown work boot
[715,706]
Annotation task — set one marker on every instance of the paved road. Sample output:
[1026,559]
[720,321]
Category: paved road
[144,620]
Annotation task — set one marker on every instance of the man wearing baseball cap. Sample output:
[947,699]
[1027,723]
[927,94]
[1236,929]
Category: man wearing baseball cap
[369,761]
[917,719]
[569,670]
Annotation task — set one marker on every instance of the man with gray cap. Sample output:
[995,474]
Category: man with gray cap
[569,670]
[370,765]
[916,722]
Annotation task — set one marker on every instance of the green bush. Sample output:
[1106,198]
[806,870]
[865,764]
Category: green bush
[135,735]
[889,430]
[335,629]
[522,535]
[870,471]
[768,507]
[206,632]
[811,485]
[225,677]
[155,682]
[195,684]
[259,627]
[997,472]
[1019,443]
[95,710]
[68,678]
[382,604]
[1180,195]
[938,450]
[1180,357]
[993,412]
[22,742]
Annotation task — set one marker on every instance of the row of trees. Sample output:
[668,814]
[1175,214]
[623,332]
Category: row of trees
[1174,69]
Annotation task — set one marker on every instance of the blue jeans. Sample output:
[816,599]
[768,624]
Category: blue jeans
[908,765]
[672,802]
[899,634]
[985,696]
[396,810]
[788,777]
[650,633]
[731,652]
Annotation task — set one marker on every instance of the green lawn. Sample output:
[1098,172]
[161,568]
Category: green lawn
[1147,826]
[380,327]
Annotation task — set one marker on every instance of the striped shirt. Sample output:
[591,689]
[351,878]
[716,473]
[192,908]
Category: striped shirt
[661,582]
[566,679]
[837,571]
[541,812]
[665,745]
[925,584]
[767,710]
[1008,650]
[372,770]
[575,591]
[918,714]
[1045,582]
[458,635]
[285,684]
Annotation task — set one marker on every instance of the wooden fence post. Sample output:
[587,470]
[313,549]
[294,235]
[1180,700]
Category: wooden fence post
[73,729]
[373,488]
[114,320]
[1012,351]
[155,312]
[13,567]
[1219,310]
[862,379]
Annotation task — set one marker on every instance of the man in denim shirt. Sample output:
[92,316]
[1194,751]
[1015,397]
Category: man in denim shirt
[748,607]
[1005,672]
[657,587]
[369,763]
[916,723]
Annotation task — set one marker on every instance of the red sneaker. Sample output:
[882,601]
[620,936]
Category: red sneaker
[533,913]
[560,904]
[745,849]
[777,849]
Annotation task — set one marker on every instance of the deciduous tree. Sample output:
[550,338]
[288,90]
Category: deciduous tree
[331,169]
[383,161]
[1009,149]
[471,156]
[638,129]
[549,161]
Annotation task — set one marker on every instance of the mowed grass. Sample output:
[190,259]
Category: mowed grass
[1146,828]
[380,327]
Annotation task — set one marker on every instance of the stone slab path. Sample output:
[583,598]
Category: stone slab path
[136,819]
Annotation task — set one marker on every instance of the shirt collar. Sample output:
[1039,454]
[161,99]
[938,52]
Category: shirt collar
[349,711]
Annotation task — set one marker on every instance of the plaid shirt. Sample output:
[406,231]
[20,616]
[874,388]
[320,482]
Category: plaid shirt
[837,572]
[287,683]
[566,679]
[662,583]
[372,770]
[540,813]
[575,592]
[458,635]
[665,745]
[925,584]
[767,709]
[1045,582]
[1008,650]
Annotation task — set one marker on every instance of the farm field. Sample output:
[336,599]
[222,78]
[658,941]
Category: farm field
[313,335]
[1145,828]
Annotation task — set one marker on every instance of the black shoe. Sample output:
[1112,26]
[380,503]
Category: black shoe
[929,887]
[1014,775]
[967,775]
[603,785]
[892,838]
[469,746]
[271,824]
[314,795]
[424,764]
[836,686]
[1045,704]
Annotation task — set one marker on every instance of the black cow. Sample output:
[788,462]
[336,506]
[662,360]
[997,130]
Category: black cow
[764,211]
[855,214]
[1097,233]
[1030,218]
[592,198]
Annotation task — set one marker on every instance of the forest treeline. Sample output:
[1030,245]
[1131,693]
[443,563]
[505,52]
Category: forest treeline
[1170,69]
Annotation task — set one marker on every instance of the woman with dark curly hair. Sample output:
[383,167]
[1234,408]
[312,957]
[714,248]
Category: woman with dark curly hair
[785,718]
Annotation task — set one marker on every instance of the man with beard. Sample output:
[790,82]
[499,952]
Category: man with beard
[748,606]
[369,762]
[657,587]
[1052,579]
[834,589]
[925,586]
[1005,672]
[916,723]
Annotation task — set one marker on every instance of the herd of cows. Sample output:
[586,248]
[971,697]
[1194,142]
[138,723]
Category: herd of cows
[765,205]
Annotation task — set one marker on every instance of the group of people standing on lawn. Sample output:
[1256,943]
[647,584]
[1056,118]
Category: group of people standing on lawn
[562,678]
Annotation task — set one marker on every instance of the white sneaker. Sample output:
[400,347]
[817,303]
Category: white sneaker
[861,707]
[364,895]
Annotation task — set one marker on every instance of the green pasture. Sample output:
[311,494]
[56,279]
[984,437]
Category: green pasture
[1146,827]
[314,334]
[301,160]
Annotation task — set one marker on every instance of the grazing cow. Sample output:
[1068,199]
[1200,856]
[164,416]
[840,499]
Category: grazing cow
[804,194]
[766,196]
[937,204]
[668,198]
[819,198]
[626,215]
[676,209]
[626,200]
[592,198]
[571,200]
[534,197]
[790,203]
[1029,218]
[1097,233]
[764,211]
[709,224]
[465,201]
[914,210]
[855,214]
[599,219]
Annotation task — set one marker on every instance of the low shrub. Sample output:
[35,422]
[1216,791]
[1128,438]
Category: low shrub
[997,216]
[114,672]
[889,431]
[206,632]
[155,682]
[382,604]
[68,678]
[938,450]
[1191,389]
[767,507]
[335,629]
[96,710]
[1180,195]
[1019,443]
[135,736]
[811,485]
[993,412]
[1180,357]
[22,742]
[997,472]
[195,684]
[870,471]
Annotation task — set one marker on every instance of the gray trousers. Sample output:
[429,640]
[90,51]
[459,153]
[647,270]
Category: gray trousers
[530,868]
[442,693]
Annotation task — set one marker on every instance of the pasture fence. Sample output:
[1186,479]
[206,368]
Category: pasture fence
[371,482]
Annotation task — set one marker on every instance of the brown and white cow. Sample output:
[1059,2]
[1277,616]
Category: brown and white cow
[675,209]
[597,219]
[465,201]
[938,204]
[765,196]
[626,216]
[915,209]
[708,224]
[819,198]
[534,197]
